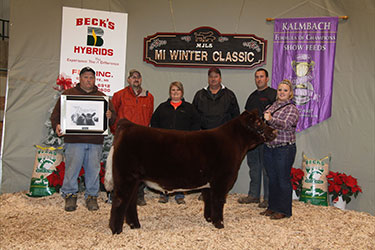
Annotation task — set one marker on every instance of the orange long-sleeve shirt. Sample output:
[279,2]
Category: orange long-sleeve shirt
[137,109]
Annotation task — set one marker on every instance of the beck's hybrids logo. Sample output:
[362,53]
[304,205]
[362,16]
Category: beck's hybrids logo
[95,36]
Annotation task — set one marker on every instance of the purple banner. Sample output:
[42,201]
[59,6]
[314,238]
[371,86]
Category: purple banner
[304,53]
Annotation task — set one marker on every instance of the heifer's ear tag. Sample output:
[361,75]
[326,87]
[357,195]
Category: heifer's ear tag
[258,122]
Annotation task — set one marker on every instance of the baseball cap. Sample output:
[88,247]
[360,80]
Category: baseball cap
[86,69]
[134,71]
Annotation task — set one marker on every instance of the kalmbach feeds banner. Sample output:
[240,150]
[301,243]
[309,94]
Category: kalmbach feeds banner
[304,52]
[96,39]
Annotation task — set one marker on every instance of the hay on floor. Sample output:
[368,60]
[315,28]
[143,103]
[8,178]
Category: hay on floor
[36,223]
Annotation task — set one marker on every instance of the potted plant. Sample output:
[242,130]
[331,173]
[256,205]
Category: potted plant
[342,185]
[296,176]
[57,177]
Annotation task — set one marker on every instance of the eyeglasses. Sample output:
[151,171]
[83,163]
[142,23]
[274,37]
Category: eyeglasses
[135,77]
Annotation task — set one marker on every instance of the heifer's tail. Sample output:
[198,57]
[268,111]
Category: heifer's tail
[108,179]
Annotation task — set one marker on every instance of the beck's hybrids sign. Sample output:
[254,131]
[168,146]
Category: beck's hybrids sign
[96,39]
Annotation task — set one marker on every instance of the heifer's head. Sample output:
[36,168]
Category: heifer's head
[256,127]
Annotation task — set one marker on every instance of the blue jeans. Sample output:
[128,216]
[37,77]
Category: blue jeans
[278,162]
[255,163]
[76,156]
[179,195]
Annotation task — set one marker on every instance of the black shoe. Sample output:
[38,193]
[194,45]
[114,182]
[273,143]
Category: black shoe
[141,202]
[70,202]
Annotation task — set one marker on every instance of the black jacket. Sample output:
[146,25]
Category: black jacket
[261,99]
[185,117]
[215,110]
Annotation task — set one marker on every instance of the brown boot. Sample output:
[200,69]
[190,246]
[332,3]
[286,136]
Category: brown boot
[92,203]
[163,199]
[263,204]
[278,216]
[70,202]
[248,199]
[180,201]
[267,212]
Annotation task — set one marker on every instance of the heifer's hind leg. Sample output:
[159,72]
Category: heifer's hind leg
[121,206]
[207,204]
[217,205]
[131,212]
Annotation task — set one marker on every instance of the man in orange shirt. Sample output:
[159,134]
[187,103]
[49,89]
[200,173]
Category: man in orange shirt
[136,105]
[133,102]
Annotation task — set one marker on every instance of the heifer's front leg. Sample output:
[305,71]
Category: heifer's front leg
[206,194]
[217,205]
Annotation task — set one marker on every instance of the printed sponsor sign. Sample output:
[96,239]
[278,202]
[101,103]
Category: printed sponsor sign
[304,52]
[205,47]
[96,39]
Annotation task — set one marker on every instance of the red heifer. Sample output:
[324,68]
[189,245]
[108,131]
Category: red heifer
[171,161]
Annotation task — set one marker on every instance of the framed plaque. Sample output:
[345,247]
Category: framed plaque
[84,115]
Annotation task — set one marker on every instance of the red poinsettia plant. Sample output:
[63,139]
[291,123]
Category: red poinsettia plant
[101,176]
[57,177]
[296,176]
[340,184]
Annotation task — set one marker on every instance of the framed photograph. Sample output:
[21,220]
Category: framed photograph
[84,115]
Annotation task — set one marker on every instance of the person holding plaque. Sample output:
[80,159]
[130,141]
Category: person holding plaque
[81,150]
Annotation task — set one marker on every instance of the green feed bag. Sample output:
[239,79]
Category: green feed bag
[314,183]
[46,160]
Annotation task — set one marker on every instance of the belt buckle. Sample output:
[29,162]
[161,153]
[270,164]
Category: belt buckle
[281,144]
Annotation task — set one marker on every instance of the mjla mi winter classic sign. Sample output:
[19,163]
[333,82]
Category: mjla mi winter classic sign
[205,47]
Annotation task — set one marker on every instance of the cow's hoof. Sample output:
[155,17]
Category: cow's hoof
[208,219]
[218,224]
[134,226]
[116,231]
